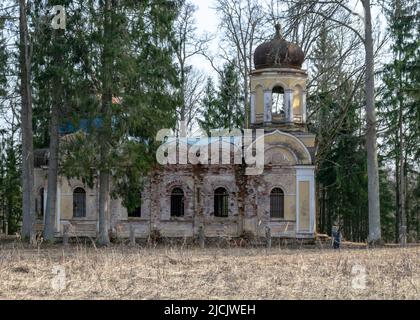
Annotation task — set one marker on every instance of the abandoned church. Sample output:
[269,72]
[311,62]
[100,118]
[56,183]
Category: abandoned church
[181,200]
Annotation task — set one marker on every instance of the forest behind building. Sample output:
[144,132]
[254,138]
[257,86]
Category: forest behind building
[126,69]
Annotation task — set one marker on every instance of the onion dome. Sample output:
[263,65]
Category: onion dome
[278,53]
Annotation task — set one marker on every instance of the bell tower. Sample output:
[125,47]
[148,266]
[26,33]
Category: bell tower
[278,86]
[278,105]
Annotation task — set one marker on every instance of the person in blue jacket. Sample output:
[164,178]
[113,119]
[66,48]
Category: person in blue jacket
[336,234]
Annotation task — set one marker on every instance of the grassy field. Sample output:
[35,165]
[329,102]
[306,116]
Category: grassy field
[82,272]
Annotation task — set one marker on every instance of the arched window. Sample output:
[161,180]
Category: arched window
[277,203]
[39,203]
[297,105]
[79,203]
[177,202]
[221,199]
[136,213]
[277,99]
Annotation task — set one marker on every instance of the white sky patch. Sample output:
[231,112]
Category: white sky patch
[207,20]
[207,23]
[358,8]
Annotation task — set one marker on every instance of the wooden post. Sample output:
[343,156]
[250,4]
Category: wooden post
[66,231]
[403,236]
[132,235]
[268,237]
[201,237]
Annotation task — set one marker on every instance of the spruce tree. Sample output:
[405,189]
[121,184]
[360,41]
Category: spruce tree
[209,106]
[221,109]
[400,104]
[129,98]
[25,88]
[230,98]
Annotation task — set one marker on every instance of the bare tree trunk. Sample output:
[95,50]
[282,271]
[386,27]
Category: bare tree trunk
[28,205]
[402,182]
[52,177]
[397,197]
[182,125]
[402,194]
[106,104]
[53,150]
[187,45]
[371,143]
[103,238]
[246,98]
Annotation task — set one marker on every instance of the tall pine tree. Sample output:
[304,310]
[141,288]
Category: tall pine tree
[400,106]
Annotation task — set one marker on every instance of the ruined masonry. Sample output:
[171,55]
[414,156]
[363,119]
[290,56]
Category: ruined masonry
[185,200]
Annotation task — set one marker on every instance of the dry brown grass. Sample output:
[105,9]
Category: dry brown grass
[165,273]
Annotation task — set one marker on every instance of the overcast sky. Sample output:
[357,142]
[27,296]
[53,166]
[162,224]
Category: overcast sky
[206,23]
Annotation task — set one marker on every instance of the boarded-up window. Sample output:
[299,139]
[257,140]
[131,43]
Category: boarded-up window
[177,202]
[221,199]
[277,203]
[79,203]
[136,213]
[39,203]
[278,101]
